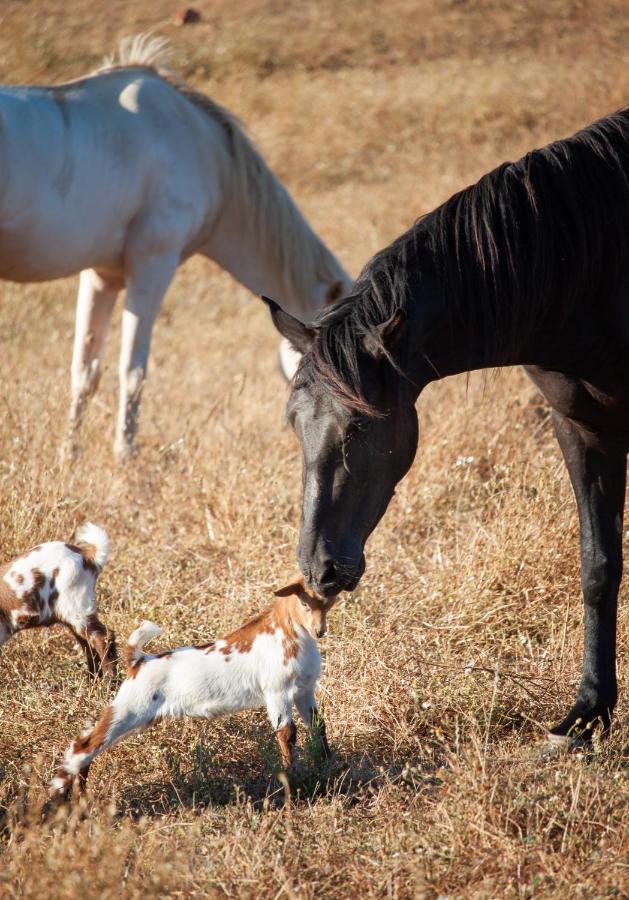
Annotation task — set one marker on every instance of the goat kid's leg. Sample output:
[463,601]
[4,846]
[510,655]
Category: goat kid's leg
[103,643]
[597,468]
[87,650]
[146,285]
[280,712]
[5,632]
[95,303]
[79,755]
[309,712]
[127,713]
[99,645]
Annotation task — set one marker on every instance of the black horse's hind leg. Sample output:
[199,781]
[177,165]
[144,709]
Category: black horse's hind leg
[597,467]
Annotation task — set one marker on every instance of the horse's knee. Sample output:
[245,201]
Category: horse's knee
[600,579]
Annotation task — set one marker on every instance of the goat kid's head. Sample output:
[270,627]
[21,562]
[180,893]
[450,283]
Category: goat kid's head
[307,608]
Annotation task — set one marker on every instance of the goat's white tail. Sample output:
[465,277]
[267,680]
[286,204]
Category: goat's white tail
[135,645]
[93,543]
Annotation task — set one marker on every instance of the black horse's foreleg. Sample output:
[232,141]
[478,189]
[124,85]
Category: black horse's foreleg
[597,465]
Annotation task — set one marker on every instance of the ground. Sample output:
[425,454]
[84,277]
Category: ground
[464,640]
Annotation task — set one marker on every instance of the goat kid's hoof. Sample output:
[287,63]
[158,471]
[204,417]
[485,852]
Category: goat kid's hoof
[55,809]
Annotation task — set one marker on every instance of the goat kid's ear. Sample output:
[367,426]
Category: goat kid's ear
[300,335]
[385,336]
[295,587]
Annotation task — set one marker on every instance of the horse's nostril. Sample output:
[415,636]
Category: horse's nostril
[328,573]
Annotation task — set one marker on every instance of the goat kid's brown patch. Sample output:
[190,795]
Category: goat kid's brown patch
[97,735]
[242,638]
[87,552]
[8,598]
[290,648]
[24,611]
[132,665]
[287,738]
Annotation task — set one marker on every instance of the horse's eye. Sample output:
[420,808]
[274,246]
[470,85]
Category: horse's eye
[350,434]
[304,604]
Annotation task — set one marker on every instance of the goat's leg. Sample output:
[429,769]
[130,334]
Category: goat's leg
[98,643]
[309,712]
[126,714]
[279,709]
[84,644]
[5,632]
[103,642]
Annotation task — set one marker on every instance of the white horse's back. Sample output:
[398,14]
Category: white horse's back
[83,160]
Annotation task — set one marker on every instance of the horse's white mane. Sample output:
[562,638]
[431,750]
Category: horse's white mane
[276,223]
[146,49]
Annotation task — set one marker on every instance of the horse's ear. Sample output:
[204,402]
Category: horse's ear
[296,332]
[385,337]
[295,587]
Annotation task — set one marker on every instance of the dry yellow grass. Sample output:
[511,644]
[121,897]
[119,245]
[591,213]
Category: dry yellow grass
[465,637]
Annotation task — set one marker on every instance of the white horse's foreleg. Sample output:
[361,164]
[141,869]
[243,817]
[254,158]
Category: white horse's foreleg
[146,286]
[94,306]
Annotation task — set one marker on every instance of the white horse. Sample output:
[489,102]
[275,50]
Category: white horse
[121,176]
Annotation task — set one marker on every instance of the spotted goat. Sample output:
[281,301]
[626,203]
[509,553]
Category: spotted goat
[56,583]
[272,661]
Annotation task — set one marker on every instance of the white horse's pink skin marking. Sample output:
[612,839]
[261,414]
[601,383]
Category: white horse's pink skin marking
[122,176]
[272,661]
[56,583]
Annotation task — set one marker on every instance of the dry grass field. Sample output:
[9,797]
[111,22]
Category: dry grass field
[465,637]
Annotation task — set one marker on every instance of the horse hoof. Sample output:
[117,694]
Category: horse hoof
[557,744]
[124,452]
[68,452]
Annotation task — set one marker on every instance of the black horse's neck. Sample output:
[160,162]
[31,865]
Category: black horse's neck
[451,330]
[524,267]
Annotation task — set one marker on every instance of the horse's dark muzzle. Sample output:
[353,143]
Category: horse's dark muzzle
[328,578]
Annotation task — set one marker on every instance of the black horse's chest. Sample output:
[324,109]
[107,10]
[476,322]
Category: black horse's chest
[599,402]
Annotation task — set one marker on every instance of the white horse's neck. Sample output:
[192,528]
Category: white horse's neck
[265,242]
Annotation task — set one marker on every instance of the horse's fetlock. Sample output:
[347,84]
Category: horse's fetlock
[134,379]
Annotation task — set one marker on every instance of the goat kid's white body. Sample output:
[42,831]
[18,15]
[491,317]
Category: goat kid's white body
[191,681]
[52,583]
[203,682]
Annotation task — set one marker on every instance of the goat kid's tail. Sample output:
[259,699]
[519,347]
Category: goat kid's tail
[133,652]
[93,543]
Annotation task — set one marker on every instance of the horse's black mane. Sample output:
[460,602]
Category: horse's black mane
[525,243]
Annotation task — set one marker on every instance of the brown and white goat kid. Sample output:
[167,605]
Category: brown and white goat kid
[272,661]
[56,583]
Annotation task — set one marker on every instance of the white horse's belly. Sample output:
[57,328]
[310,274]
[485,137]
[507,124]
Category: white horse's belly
[50,247]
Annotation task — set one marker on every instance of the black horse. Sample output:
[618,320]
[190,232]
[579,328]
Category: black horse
[529,266]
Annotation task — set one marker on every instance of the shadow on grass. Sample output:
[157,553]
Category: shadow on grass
[314,776]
